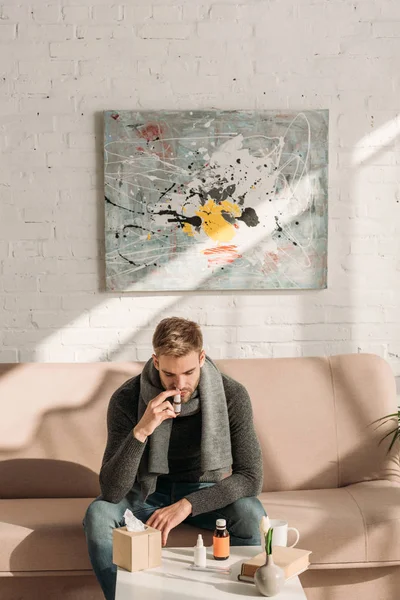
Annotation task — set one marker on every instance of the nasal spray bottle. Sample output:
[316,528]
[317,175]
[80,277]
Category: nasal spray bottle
[199,552]
[177,404]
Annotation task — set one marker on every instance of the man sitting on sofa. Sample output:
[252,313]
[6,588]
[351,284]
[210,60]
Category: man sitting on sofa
[200,466]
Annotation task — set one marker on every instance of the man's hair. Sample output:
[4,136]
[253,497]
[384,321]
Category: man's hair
[177,337]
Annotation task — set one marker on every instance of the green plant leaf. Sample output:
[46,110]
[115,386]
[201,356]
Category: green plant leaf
[268,537]
[396,430]
[395,437]
[383,423]
[386,417]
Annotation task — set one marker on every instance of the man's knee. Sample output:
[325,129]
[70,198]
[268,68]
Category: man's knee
[100,516]
[248,513]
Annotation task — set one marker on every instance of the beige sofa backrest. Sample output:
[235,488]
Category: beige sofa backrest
[312,417]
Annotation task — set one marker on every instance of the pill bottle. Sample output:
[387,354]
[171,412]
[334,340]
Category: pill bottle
[221,540]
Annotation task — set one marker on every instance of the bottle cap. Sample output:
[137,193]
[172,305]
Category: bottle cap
[200,541]
[221,523]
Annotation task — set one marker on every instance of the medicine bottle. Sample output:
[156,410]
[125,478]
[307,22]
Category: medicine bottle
[177,404]
[200,552]
[221,540]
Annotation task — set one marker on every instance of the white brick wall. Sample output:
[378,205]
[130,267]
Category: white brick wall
[63,61]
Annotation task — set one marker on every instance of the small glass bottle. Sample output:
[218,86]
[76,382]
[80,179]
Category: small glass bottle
[177,404]
[221,540]
[200,553]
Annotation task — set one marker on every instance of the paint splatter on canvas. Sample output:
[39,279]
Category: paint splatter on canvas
[216,200]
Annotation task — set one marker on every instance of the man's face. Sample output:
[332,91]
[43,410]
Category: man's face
[180,373]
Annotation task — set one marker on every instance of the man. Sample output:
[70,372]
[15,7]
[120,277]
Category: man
[196,467]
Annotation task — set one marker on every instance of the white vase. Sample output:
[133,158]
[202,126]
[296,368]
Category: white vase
[269,578]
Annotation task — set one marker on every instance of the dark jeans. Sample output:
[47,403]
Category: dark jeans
[242,521]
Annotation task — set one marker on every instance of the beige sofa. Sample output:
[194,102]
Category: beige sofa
[323,470]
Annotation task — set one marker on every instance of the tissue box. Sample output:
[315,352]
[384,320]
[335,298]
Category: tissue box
[137,550]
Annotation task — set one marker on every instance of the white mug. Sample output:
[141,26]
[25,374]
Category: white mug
[280,535]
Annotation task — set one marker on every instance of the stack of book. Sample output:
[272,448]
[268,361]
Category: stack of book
[293,561]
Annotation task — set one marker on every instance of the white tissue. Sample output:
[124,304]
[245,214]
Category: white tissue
[132,523]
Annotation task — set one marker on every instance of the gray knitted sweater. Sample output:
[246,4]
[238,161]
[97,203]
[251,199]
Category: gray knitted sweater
[123,451]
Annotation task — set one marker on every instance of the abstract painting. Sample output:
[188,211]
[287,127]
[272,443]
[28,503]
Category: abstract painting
[216,200]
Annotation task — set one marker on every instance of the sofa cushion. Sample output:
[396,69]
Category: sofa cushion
[379,504]
[43,534]
[324,408]
[357,525]
[46,534]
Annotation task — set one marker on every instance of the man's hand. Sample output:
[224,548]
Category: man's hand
[169,517]
[156,412]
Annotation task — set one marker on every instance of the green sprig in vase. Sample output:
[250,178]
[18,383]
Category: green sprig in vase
[269,578]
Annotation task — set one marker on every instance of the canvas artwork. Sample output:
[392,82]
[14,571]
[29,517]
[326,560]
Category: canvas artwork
[216,200]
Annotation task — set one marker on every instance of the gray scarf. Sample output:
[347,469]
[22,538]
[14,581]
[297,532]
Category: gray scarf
[215,433]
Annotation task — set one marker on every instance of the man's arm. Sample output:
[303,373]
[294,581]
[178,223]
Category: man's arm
[247,471]
[123,451]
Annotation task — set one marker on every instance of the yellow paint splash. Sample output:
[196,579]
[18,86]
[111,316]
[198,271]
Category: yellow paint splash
[213,223]
[187,228]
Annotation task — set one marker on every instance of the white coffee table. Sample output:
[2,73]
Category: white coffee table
[175,581]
